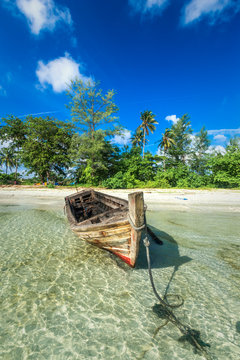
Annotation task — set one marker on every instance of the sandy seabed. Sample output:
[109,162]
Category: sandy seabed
[156,199]
[64,299]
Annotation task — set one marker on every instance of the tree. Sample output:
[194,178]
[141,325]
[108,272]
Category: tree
[199,151]
[137,138]
[181,131]
[13,130]
[90,108]
[7,158]
[166,143]
[132,169]
[234,144]
[45,150]
[226,169]
[94,159]
[148,121]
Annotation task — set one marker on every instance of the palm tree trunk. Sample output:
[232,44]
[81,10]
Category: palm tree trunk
[143,141]
[164,161]
[16,169]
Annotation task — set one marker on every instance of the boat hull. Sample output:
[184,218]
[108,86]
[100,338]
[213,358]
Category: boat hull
[117,235]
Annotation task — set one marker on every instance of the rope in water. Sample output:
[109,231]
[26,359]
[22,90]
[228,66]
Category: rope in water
[191,335]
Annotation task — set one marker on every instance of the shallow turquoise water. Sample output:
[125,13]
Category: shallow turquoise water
[61,298]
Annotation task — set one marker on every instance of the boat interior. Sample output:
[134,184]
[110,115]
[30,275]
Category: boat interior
[91,207]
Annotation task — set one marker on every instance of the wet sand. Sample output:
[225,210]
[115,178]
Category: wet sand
[181,199]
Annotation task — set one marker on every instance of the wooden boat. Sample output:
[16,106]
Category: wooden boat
[108,222]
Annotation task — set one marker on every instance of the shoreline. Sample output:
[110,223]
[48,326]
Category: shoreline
[156,199]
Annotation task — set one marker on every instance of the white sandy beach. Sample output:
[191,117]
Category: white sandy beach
[176,199]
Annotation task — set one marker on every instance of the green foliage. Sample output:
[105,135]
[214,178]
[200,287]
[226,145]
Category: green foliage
[45,150]
[181,177]
[92,154]
[199,152]
[94,158]
[137,168]
[226,169]
[30,181]
[6,179]
[118,181]
[192,181]
[90,108]
[173,174]
[133,170]
[234,145]
[13,131]
[180,134]
[148,124]
[166,143]
[167,140]
[137,138]
[7,158]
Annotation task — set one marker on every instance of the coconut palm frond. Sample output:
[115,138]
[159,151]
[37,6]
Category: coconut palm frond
[148,121]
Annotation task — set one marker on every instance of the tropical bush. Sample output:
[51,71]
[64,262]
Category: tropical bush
[7,179]
[53,151]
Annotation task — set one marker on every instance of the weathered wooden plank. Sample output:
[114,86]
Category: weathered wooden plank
[136,214]
[109,240]
[116,199]
[107,232]
[112,242]
[115,249]
[94,227]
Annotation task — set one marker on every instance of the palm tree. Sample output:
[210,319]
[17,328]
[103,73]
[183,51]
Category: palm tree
[137,139]
[7,158]
[148,121]
[166,143]
[14,132]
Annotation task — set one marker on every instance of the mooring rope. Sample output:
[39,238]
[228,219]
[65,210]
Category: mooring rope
[137,228]
[147,244]
[191,335]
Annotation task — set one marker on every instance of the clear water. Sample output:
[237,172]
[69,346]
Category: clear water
[61,298]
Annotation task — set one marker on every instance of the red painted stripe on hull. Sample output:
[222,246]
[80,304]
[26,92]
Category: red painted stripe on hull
[126,259]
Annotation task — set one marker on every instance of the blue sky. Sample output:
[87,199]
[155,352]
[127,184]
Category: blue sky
[168,56]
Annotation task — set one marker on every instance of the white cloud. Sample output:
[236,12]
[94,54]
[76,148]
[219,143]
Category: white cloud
[145,6]
[59,72]
[231,132]
[122,139]
[195,9]
[152,3]
[5,144]
[39,113]
[160,152]
[172,118]
[2,91]
[220,137]
[219,149]
[193,139]
[43,14]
